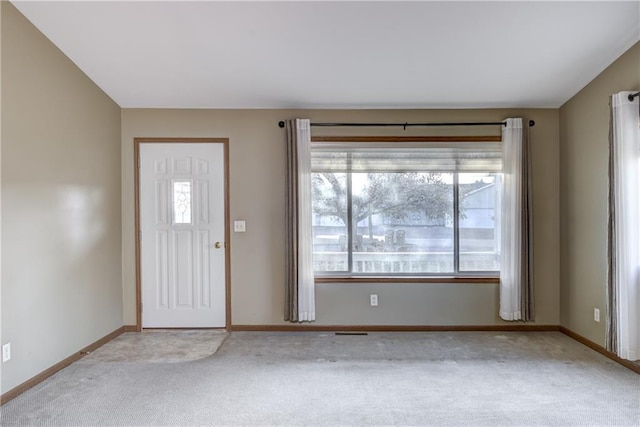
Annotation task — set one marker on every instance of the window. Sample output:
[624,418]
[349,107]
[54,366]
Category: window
[415,209]
[181,202]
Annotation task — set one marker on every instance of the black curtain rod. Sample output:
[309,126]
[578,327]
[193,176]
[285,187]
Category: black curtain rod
[406,125]
[633,95]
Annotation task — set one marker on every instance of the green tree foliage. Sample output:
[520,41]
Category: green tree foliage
[393,194]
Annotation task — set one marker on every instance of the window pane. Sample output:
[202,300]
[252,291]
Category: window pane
[479,211]
[182,202]
[330,222]
[402,222]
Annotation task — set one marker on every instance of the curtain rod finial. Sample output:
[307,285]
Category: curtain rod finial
[532,123]
[281,124]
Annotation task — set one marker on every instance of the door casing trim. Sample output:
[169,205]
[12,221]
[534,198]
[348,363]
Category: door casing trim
[227,232]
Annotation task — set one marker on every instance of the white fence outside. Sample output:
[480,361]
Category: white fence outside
[405,262]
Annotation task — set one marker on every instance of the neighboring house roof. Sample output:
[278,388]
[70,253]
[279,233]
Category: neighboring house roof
[477,190]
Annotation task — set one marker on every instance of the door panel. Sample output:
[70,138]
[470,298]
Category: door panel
[181,218]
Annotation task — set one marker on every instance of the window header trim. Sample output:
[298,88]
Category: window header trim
[407,279]
[374,139]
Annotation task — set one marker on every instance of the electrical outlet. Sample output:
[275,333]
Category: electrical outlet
[239,226]
[596,315]
[373,299]
[6,352]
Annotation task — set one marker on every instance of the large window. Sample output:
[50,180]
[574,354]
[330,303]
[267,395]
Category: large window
[405,211]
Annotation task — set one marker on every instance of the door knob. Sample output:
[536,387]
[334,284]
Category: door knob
[217,245]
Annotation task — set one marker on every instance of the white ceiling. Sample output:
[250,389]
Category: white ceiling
[339,54]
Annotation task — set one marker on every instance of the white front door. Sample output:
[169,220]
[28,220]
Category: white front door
[182,221]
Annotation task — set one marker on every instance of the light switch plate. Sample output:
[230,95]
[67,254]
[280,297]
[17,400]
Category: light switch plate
[239,226]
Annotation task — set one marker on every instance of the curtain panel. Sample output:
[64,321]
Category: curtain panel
[299,286]
[623,279]
[516,270]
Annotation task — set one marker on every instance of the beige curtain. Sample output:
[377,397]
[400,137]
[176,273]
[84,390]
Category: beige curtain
[300,286]
[623,285]
[611,330]
[516,269]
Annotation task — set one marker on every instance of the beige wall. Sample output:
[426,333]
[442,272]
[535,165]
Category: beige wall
[257,174]
[61,213]
[584,158]
[1,340]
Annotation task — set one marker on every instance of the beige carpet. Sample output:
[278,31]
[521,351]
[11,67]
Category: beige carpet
[159,346]
[418,379]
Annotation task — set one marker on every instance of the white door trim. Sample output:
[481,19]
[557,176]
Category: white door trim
[136,146]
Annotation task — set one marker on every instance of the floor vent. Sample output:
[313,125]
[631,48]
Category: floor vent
[352,333]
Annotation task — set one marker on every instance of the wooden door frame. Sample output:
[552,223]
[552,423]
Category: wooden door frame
[227,232]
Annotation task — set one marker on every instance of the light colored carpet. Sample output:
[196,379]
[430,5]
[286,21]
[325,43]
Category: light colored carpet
[438,378]
[159,346]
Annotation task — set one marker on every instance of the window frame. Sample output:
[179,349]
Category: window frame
[449,277]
